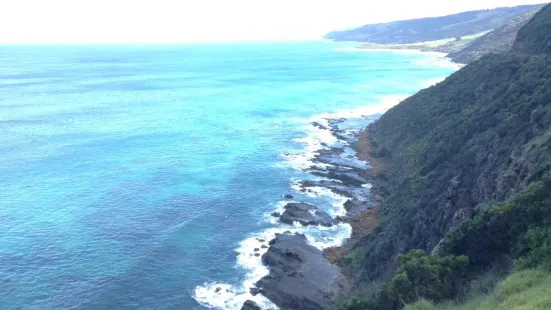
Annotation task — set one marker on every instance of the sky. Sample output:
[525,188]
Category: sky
[173,21]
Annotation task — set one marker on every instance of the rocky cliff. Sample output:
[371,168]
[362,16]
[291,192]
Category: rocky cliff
[479,137]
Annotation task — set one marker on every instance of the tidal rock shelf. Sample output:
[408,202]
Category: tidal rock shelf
[306,214]
[300,276]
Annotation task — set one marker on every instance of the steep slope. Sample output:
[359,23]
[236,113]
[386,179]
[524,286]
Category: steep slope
[465,172]
[535,37]
[476,137]
[530,289]
[498,41]
[434,28]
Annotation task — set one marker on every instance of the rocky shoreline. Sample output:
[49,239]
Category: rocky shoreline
[300,275]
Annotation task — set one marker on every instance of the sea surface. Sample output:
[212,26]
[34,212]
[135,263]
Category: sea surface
[142,177]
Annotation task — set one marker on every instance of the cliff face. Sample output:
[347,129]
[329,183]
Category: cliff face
[500,40]
[478,137]
[433,28]
[535,37]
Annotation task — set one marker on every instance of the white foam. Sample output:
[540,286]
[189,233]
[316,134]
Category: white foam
[382,106]
[231,297]
[431,82]
[381,49]
[227,296]
[337,201]
[318,138]
[279,207]
[441,62]
[436,59]
[391,50]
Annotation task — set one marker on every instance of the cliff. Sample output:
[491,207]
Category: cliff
[465,177]
[535,37]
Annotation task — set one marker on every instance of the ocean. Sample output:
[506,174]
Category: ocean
[143,177]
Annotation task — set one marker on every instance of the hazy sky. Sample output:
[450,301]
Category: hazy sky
[208,20]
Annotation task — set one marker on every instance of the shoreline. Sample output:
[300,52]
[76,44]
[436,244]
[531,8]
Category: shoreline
[305,233]
[359,179]
[418,48]
[293,262]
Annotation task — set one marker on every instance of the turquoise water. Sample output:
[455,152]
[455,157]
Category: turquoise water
[129,175]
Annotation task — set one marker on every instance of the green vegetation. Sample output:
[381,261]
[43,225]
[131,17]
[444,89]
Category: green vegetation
[535,37]
[433,28]
[524,290]
[478,137]
[536,249]
[467,178]
[519,226]
[500,40]
[418,274]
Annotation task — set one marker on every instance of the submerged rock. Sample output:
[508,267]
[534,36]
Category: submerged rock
[250,305]
[288,196]
[300,276]
[254,291]
[306,214]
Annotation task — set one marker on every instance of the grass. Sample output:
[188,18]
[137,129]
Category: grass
[524,290]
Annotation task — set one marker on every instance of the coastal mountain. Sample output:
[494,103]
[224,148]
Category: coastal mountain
[535,37]
[500,40]
[433,28]
[463,171]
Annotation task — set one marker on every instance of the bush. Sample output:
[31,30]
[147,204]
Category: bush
[509,228]
[528,289]
[430,277]
[418,276]
[422,304]
[355,303]
[536,250]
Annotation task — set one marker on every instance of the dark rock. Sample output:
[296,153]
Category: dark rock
[320,126]
[257,254]
[264,246]
[218,289]
[300,276]
[254,291]
[250,305]
[461,215]
[276,214]
[256,249]
[288,196]
[306,214]
[357,193]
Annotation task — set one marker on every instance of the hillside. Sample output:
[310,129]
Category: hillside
[433,28]
[530,289]
[535,37]
[464,174]
[499,40]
